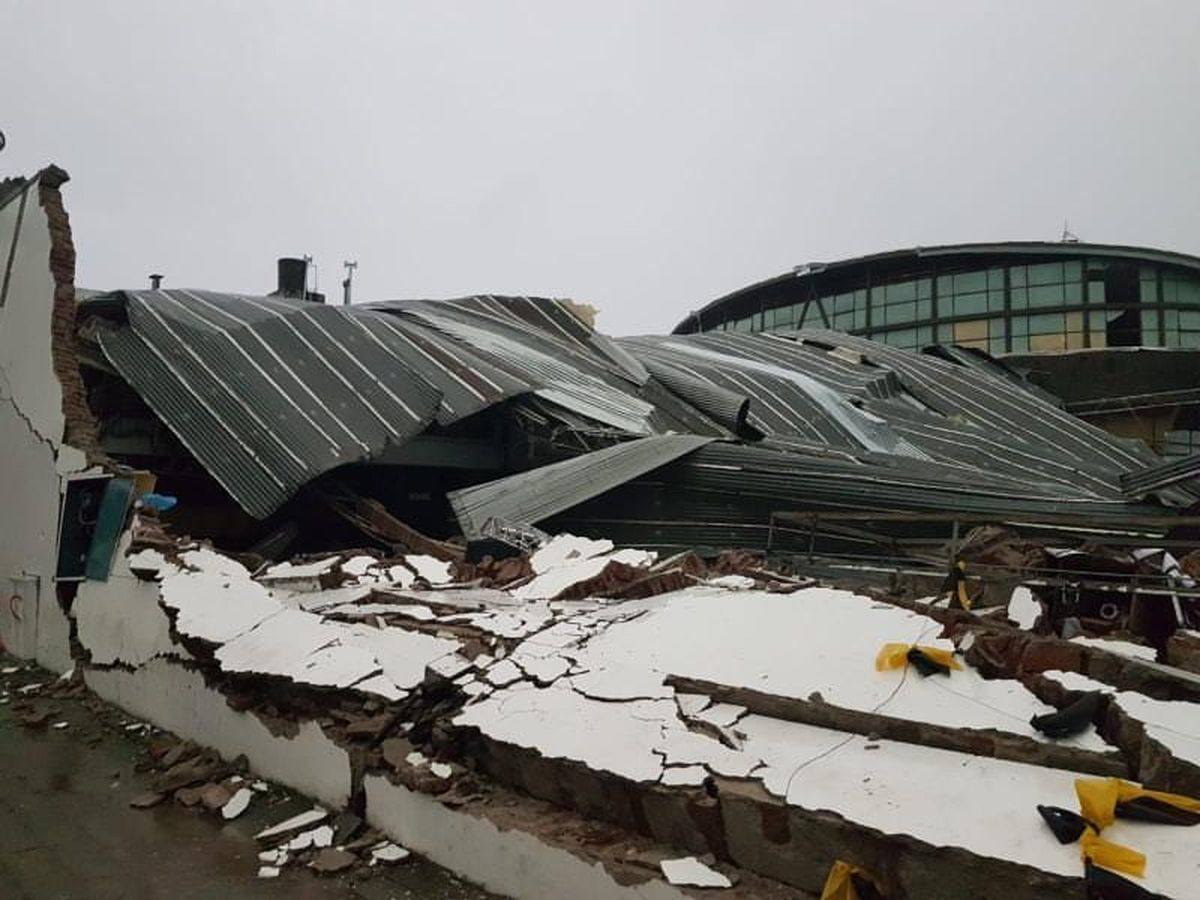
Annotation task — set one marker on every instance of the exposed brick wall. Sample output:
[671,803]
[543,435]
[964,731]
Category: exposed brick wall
[80,430]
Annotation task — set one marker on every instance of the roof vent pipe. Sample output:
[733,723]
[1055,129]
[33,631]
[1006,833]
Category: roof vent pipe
[155,282]
[293,277]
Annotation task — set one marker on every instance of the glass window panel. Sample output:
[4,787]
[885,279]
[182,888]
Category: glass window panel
[844,321]
[1149,291]
[1150,327]
[900,313]
[1046,324]
[1020,343]
[860,317]
[945,332]
[860,298]
[1095,292]
[967,332]
[1189,293]
[1171,319]
[1170,290]
[945,285]
[995,301]
[1074,321]
[1074,340]
[1073,270]
[970,304]
[1020,325]
[758,322]
[769,318]
[924,335]
[924,309]
[1046,295]
[970,282]
[1189,339]
[1016,276]
[1040,343]
[843,303]
[902,292]
[1189,320]
[1073,293]
[1019,297]
[1099,339]
[924,288]
[1046,273]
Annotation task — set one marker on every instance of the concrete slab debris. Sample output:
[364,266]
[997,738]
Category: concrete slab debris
[688,871]
[387,852]
[293,825]
[237,804]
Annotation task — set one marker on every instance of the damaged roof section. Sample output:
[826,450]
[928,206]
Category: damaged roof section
[689,440]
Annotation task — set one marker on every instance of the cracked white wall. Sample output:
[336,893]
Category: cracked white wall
[177,699]
[32,624]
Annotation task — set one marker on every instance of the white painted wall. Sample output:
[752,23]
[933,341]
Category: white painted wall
[177,699]
[32,625]
[512,863]
[120,621]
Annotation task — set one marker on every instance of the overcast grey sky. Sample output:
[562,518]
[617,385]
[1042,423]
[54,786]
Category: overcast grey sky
[644,157]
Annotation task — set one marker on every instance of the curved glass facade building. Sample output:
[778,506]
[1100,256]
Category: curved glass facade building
[1017,298]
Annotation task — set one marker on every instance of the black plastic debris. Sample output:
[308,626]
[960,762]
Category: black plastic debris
[1070,720]
[1150,809]
[926,664]
[1067,826]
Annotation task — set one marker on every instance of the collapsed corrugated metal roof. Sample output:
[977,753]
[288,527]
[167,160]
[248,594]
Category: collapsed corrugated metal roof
[538,494]
[734,429]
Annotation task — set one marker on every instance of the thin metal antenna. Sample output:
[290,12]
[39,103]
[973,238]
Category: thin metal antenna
[349,265]
[1068,237]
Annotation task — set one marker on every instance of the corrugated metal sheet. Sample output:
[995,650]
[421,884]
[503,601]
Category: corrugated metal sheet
[1155,478]
[267,394]
[530,497]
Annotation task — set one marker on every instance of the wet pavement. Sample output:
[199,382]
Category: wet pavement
[70,833]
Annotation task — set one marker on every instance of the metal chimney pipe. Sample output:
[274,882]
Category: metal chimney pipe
[293,277]
[155,282]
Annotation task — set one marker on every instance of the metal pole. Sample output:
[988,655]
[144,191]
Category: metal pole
[349,265]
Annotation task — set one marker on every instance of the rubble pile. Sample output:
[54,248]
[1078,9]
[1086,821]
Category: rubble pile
[668,712]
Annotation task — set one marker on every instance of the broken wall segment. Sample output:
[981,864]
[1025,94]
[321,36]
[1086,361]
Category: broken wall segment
[1161,738]
[525,849]
[177,699]
[37,300]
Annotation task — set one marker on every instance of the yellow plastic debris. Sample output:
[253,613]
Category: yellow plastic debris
[895,656]
[964,598]
[1117,857]
[1098,798]
[839,885]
